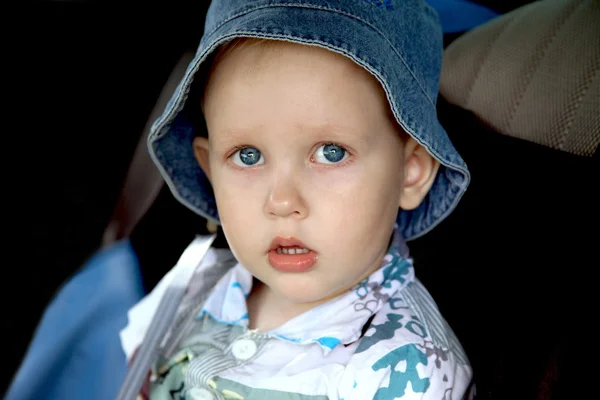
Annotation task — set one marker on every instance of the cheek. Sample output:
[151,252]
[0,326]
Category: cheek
[357,206]
[234,191]
[239,201]
[237,205]
[365,189]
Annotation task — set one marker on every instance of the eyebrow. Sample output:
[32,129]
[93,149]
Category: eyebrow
[342,133]
[232,137]
[339,130]
[327,131]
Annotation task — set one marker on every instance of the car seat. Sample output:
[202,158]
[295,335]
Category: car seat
[76,351]
[520,99]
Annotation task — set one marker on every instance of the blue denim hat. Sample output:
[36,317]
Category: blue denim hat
[398,41]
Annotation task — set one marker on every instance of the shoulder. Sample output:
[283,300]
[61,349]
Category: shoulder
[408,352]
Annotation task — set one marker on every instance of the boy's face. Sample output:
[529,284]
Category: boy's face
[301,146]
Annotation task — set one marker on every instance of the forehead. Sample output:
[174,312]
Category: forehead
[255,54]
[316,85]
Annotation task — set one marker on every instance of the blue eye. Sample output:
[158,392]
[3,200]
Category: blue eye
[330,154]
[248,157]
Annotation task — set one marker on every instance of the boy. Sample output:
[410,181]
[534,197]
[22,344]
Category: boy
[321,126]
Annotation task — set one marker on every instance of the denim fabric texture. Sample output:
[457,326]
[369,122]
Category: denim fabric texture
[398,41]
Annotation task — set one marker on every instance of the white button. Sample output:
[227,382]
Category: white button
[200,394]
[243,349]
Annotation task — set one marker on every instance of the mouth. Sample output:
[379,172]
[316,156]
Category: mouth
[291,255]
[288,246]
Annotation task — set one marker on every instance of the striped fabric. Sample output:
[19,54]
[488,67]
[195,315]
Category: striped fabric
[383,339]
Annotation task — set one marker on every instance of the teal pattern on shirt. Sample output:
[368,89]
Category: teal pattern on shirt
[398,379]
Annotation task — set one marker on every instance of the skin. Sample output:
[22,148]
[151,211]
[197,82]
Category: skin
[288,101]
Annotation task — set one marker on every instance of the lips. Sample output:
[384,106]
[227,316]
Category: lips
[291,255]
[286,242]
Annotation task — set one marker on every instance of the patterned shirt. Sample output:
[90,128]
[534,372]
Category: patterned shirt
[384,339]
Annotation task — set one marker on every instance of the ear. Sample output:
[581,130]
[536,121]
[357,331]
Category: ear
[420,170]
[201,152]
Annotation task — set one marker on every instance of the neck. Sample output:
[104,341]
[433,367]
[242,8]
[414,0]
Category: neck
[268,311]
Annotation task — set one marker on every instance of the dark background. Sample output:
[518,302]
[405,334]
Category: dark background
[86,76]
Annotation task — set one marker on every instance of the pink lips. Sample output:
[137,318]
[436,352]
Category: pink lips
[294,263]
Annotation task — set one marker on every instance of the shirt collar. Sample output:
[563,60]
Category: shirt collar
[339,321]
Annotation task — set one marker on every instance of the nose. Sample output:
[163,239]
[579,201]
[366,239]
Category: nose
[285,199]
